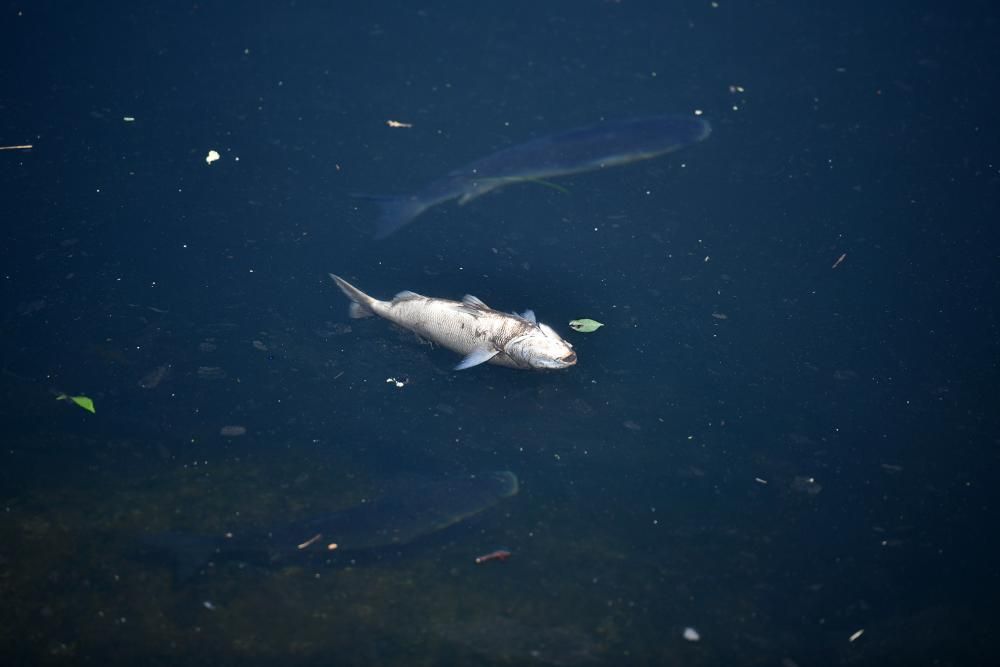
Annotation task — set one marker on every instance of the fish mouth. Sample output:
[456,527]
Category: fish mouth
[553,363]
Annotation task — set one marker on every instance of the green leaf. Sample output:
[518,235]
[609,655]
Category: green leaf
[83,401]
[585,325]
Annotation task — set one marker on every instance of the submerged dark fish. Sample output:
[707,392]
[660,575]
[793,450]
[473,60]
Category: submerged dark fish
[574,151]
[403,514]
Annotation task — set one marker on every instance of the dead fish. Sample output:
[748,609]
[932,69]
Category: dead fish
[470,328]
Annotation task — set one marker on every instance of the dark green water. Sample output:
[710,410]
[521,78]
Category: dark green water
[784,434]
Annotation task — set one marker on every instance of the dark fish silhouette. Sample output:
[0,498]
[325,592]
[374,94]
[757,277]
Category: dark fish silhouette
[407,512]
[582,149]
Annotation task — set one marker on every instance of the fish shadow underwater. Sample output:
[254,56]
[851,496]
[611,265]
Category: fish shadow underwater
[415,515]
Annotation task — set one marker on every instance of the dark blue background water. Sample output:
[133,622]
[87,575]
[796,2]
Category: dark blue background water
[759,446]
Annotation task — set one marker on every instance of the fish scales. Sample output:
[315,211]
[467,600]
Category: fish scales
[453,325]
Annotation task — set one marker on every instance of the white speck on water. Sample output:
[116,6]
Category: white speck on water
[691,635]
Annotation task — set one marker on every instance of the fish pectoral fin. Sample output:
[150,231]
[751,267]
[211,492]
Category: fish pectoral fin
[475,358]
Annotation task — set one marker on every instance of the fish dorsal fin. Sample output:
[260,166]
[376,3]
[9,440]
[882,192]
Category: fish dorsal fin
[528,315]
[476,357]
[470,300]
[406,295]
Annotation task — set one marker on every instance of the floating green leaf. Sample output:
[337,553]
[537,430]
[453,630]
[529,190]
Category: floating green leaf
[83,401]
[585,325]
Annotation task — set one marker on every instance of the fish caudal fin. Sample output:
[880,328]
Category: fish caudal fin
[395,212]
[361,303]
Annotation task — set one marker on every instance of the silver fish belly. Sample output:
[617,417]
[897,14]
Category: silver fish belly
[470,328]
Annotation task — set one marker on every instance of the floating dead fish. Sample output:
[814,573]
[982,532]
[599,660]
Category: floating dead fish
[469,327]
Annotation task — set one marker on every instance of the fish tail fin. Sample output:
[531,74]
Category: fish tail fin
[187,553]
[361,303]
[394,212]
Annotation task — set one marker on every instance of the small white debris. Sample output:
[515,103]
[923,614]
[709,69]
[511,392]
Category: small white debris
[857,634]
[759,480]
[128,119]
[212,157]
[691,635]
[207,604]
[399,383]
[807,485]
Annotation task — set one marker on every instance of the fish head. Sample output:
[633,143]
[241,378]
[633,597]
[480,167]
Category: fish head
[541,347]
